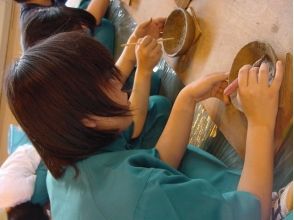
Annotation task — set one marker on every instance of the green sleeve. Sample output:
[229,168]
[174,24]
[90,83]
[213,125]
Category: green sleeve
[289,216]
[171,197]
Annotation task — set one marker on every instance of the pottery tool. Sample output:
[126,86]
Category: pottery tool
[158,41]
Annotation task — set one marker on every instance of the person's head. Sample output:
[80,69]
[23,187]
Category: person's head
[40,1]
[66,94]
[27,211]
[45,22]
[22,1]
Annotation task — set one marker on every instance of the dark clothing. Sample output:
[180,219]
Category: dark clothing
[27,8]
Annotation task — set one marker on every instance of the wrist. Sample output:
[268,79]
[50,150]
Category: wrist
[256,125]
[143,71]
[186,98]
[186,94]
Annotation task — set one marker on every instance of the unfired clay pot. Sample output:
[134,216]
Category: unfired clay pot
[253,53]
[180,26]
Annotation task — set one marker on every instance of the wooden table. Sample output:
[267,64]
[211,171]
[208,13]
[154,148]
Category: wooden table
[227,25]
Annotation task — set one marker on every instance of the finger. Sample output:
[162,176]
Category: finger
[226,99]
[158,47]
[146,23]
[153,44]
[231,88]
[219,76]
[146,40]
[139,42]
[160,34]
[160,20]
[236,100]
[252,78]
[159,50]
[243,76]
[219,94]
[224,84]
[263,74]
[279,75]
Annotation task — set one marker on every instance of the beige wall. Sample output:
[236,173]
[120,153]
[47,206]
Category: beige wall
[13,51]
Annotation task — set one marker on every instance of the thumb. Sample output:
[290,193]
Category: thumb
[146,23]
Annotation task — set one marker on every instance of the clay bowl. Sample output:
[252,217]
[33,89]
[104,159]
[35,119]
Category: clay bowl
[182,3]
[253,53]
[180,26]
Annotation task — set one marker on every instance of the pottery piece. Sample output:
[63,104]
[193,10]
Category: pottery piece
[180,26]
[254,53]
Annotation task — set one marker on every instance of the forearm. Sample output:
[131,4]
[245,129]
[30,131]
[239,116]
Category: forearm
[127,59]
[139,100]
[174,139]
[257,174]
[98,9]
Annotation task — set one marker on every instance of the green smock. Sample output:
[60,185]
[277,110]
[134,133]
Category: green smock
[124,183]
[104,32]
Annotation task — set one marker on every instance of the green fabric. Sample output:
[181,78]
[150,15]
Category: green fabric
[40,195]
[289,216]
[223,178]
[159,108]
[104,32]
[84,4]
[16,138]
[158,111]
[134,184]
[155,82]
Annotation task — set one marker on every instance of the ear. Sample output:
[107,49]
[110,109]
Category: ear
[89,122]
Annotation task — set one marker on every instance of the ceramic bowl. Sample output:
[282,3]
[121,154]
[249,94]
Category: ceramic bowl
[253,53]
[180,26]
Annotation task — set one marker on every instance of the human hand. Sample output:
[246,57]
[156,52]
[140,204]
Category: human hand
[211,85]
[258,99]
[152,27]
[148,53]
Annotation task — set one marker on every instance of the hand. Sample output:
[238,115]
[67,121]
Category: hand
[148,53]
[232,87]
[152,27]
[258,99]
[211,85]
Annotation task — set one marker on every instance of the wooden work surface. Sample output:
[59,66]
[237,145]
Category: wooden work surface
[227,25]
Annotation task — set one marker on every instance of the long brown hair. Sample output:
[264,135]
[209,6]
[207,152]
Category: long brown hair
[53,86]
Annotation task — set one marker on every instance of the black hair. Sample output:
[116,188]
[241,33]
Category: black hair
[56,84]
[44,22]
[21,1]
[60,2]
[27,211]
